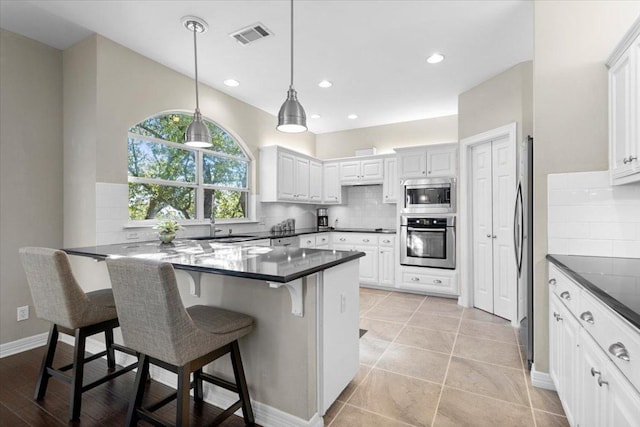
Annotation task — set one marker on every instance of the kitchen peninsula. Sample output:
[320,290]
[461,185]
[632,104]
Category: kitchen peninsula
[304,350]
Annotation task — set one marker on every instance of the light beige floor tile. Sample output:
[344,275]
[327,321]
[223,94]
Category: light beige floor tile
[483,316]
[414,362]
[545,419]
[489,351]
[437,306]
[364,309]
[392,314]
[380,329]
[427,339]
[332,412]
[546,400]
[488,330]
[356,417]
[461,409]
[379,292]
[409,400]
[407,295]
[371,349]
[402,303]
[435,322]
[348,391]
[368,299]
[488,380]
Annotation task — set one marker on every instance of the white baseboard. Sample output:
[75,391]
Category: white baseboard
[24,344]
[265,415]
[541,379]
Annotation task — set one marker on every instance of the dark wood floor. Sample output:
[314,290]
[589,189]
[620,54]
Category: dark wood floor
[103,406]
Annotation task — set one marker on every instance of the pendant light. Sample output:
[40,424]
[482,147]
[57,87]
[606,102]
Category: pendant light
[197,134]
[291,117]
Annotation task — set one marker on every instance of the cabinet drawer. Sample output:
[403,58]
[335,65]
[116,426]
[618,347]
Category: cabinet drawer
[354,239]
[416,281]
[619,340]
[387,241]
[565,289]
[307,241]
[322,240]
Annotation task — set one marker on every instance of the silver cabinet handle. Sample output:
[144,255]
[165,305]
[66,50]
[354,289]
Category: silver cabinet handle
[587,317]
[601,382]
[488,236]
[437,281]
[386,241]
[308,241]
[423,172]
[429,172]
[555,315]
[386,197]
[566,295]
[342,239]
[620,351]
[494,237]
[594,372]
[415,279]
[625,160]
[365,240]
[552,282]
[558,318]
[632,158]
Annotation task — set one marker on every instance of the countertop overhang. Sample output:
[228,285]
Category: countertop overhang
[614,281]
[272,264]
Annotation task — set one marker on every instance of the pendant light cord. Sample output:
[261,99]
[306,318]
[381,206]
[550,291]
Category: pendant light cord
[291,85]
[195,52]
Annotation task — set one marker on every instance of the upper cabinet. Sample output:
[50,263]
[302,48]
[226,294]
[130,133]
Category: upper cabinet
[331,188]
[287,176]
[624,109]
[368,171]
[428,162]
[315,181]
[390,185]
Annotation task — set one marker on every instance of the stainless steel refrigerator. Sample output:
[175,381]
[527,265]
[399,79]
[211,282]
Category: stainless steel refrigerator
[523,243]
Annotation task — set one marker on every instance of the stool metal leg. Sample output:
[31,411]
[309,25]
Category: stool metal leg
[111,353]
[198,392]
[184,385]
[77,375]
[138,387]
[47,362]
[241,382]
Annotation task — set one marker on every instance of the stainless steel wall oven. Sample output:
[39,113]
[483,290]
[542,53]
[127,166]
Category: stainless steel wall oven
[428,241]
[430,195]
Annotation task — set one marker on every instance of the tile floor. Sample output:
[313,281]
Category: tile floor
[427,361]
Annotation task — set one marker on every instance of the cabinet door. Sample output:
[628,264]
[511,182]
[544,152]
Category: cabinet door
[621,119]
[315,181]
[371,170]
[350,171]
[386,267]
[302,179]
[308,241]
[592,403]
[390,185]
[368,264]
[555,347]
[442,162]
[623,400]
[412,164]
[331,188]
[286,176]
[322,241]
[570,393]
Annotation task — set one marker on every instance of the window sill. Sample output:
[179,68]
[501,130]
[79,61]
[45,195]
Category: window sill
[151,223]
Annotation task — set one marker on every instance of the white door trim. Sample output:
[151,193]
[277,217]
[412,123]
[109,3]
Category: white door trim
[465,240]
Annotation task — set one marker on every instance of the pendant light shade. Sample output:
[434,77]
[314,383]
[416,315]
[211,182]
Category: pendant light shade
[197,134]
[291,117]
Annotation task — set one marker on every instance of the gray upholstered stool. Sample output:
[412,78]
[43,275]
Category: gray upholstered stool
[58,298]
[155,323]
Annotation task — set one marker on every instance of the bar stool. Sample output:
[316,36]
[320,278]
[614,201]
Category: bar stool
[156,324]
[58,298]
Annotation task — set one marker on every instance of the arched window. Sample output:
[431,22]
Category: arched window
[168,179]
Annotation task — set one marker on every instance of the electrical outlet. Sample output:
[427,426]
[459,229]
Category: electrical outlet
[131,235]
[23,313]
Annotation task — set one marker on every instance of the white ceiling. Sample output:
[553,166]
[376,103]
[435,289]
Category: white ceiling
[374,52]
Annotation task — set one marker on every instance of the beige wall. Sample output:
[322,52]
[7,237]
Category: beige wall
[501,100]
[573,40]
[30,168]
[387,137]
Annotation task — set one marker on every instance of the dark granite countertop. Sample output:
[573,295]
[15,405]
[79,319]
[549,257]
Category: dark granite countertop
[274,264]
[614,281]
[302,231]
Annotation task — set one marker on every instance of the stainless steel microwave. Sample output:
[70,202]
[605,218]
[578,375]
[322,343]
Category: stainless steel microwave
[429,195]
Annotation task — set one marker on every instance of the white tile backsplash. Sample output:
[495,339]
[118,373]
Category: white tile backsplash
[364,210]
[587,216]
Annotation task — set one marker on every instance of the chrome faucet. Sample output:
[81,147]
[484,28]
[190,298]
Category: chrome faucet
[212,226]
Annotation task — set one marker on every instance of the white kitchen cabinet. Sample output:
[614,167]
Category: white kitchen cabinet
[442,162]
[322,241]
[368,265]
[567,335]
[591,365]
[307,241]
[368,171]
[390,184]
[624,109]
[412,164]
[315,181]
[286,176]
[429,280]
[301,177]
[369,244]
[386,267]
[428,161]
[331,188]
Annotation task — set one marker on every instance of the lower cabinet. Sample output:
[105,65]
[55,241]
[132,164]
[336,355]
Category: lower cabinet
[386,266]
[432,280]
[377,266]
[594,391]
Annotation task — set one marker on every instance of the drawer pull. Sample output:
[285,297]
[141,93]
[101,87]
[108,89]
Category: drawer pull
[620,351]
[552,282]
[342,239]
[587,317]
[558,318]
[365,240]
[594,372]
[415,279]
[566,295]
[437,281]
[601,382]
[386,241]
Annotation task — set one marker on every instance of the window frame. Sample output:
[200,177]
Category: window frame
[199,184]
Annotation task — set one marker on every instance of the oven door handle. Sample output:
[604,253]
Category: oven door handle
[437,230]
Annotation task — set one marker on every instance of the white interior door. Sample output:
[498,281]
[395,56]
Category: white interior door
[505,276]
[482,226]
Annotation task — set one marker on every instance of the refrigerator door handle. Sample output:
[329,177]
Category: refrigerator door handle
[518,229]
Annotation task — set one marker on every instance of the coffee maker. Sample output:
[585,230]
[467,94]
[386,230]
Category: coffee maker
[323,219]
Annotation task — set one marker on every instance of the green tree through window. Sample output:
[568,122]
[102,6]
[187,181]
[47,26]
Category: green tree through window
[168,179]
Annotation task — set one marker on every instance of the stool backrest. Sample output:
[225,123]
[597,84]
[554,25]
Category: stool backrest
[151,314]
[56,295]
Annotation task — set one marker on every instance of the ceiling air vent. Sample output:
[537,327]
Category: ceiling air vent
[251,33]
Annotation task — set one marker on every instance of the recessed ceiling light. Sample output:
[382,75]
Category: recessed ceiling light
[325,84]
[435,58]
[352,116]
[315,116]
[231,83]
